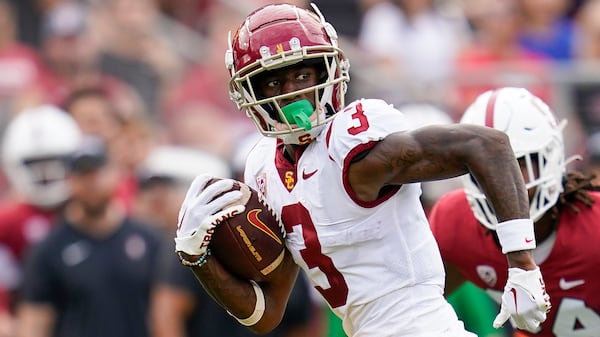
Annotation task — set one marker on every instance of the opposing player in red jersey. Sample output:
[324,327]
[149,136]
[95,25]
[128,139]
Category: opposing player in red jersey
[565,208]
[345,181]
[35,147]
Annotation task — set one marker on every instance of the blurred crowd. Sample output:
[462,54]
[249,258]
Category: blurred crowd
[146,79]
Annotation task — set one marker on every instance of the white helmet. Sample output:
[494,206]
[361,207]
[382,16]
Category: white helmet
[35,149]
[535,137]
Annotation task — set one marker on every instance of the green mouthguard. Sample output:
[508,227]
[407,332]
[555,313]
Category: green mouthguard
[298,113]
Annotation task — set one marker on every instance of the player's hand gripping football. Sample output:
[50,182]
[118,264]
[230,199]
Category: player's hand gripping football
[201,210]
[525,301]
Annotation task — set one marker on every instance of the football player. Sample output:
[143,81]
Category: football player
[35,147]
[563,205]
[344,179]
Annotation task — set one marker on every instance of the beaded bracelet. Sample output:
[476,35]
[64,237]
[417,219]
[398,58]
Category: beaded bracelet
[198,263]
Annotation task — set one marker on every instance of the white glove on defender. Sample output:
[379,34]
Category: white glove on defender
[199,213]
[524,301]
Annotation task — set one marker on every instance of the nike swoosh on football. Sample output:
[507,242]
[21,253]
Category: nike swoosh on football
[308,175]
[258,223]
[566,285]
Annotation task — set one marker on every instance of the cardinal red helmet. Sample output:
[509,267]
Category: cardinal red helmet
[277,36]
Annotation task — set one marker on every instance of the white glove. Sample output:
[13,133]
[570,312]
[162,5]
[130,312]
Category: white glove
[199,213]
[524,301]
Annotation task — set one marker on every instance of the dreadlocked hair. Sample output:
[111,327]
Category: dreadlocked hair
[576,186]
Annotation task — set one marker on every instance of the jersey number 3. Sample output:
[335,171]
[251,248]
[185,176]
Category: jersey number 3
[337,293]
[359,115]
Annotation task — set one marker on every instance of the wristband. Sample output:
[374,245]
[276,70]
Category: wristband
[515,235]
[198,263]
[259,308]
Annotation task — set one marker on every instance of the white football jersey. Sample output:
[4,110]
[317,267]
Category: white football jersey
[375,263]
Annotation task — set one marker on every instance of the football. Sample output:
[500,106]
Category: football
[250,244]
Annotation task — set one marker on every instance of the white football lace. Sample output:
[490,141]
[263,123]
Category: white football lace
[263,202]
